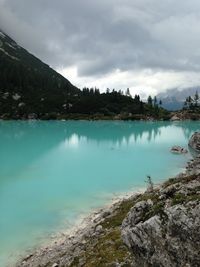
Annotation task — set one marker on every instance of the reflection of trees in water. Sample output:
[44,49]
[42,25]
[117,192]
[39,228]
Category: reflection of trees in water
[153,133]
[118,132]
[56,131]
[29,140]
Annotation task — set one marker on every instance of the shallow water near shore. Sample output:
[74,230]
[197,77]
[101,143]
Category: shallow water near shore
[53,172]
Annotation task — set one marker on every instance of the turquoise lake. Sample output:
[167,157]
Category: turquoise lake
[51,173]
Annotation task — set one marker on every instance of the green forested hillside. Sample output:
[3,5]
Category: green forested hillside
[29,88]
[27,84]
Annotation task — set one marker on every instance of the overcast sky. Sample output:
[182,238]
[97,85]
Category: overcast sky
[146,45]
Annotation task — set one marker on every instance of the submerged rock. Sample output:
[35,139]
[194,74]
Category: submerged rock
[194,141]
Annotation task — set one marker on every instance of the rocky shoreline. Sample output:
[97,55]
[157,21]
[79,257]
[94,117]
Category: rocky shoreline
[181,115]
[63,251]
[160,227]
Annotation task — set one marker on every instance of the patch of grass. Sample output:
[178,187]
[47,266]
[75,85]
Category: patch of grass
[157,209]
[171,181]
[178,199]
[183,180]
[119,215]
[189,178]
[181,198]
[193,197]
[153,196]
[108,249]
[121,212]
[117,218]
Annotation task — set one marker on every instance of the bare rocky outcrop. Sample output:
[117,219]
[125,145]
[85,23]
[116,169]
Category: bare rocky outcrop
[194,141]
[185,115]
[168,240]
[164,230]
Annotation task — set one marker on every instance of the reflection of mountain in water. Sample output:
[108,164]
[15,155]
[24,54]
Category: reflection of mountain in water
[24,142]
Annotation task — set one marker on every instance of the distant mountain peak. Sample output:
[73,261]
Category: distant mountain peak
[173,99]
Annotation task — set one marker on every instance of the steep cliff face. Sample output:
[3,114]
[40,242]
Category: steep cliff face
[165,229]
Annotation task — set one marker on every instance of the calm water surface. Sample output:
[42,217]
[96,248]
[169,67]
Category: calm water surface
[53,172]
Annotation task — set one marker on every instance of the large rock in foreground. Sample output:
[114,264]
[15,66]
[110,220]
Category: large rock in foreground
[194,141]
[165,229]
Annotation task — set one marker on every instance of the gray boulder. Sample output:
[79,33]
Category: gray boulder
[194,141]
[175,118]
[165,231]
[172,239]
[179,150]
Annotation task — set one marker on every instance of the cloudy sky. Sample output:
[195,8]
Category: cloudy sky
[146,45]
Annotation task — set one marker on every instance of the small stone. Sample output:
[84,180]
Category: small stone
[16,97]
[99,228]
[55,265]
[150,202]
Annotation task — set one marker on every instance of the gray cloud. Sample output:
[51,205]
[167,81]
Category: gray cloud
[102,36]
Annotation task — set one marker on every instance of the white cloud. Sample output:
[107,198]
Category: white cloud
[146,45]
[140,82]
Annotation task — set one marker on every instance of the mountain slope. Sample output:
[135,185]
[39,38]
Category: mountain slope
[31,89]
[29,85]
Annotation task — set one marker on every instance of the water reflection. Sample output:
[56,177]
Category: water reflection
[23,132]
[23,142]
[72,141]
